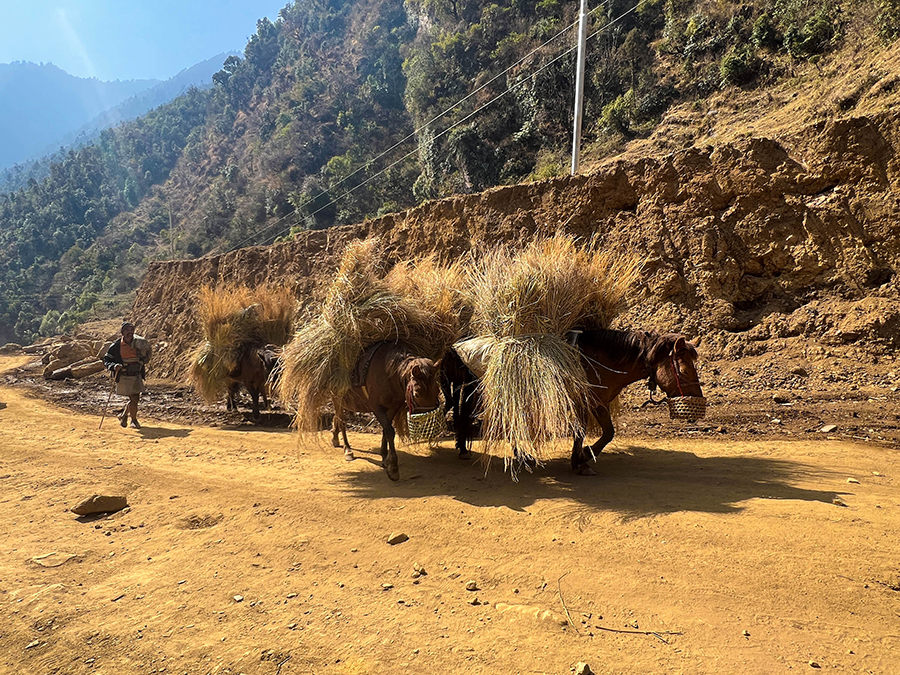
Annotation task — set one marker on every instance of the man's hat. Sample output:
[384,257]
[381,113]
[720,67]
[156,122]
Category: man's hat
[126,324]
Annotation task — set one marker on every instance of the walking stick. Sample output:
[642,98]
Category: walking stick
[112,389]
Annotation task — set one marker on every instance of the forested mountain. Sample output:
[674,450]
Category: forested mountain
[340,111]
[41,103]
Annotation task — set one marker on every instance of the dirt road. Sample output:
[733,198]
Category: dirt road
[243,552]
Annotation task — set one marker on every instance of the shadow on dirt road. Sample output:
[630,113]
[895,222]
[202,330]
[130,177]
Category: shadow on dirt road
[635,481]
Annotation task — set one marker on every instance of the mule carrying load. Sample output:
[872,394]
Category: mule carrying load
[244,330]
[537,317]
[374,347]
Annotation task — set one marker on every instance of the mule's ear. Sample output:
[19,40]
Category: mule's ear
[678,347]
[437,364]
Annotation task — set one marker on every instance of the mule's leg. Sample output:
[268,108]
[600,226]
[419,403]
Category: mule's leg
[339,427]
[462,420]
[388,451]
[580,459]
[608,432]
[254,397]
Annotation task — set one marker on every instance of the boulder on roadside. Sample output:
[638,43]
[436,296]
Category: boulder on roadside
[100,504]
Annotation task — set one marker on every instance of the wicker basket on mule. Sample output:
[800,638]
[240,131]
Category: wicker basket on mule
[426,426]
[690,408]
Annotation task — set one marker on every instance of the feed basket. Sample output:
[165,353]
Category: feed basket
[689,408]
[426,426]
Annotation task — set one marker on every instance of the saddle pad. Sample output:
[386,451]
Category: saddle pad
[475,353]
[361,369]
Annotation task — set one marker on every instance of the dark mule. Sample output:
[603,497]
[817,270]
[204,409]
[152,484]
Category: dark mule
[395,381]
[252,371]
[613,359]
[460,387]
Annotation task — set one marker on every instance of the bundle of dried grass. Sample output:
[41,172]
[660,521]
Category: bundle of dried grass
[234,319]
[440,289]
[534,389]
[361,309]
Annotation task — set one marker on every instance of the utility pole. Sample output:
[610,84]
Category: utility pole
[579,86]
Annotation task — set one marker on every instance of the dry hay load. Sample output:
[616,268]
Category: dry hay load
[364,306]
[440,290]
[234,319]
[534,388]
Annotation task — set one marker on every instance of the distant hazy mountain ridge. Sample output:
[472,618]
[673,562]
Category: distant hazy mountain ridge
[41,103]
[199,75]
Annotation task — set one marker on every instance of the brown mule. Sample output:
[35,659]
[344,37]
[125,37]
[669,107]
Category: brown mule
[613,359]
[395,381]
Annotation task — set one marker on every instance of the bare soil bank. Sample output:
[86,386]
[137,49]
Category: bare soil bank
[761,245]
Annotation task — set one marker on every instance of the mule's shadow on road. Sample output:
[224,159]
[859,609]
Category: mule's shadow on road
[634,481]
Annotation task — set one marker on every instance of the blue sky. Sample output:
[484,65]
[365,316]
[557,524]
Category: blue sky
[127,39]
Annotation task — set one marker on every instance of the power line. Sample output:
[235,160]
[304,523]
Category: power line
[473,113]
[522,81]
[269,226]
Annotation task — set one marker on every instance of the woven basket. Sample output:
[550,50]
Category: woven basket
[427,425]
[689,408]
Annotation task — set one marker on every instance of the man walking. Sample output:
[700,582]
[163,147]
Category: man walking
[126,359]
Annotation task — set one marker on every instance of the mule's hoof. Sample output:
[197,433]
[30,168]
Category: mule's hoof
[585,470]
[465,454]
[335,443]
[349,456]
[392,472]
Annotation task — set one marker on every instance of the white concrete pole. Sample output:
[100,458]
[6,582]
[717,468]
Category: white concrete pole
[579,86]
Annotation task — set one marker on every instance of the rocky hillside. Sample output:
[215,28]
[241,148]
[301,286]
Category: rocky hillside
[788,243]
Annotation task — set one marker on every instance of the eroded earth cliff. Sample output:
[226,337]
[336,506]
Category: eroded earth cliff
[757,245]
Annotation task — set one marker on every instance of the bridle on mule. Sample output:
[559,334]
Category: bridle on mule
[410,400]
[652,384]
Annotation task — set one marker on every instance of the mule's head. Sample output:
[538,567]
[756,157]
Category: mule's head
[671,363]
[422,384]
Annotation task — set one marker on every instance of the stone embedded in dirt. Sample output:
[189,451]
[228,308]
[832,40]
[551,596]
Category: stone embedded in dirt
[853,480]
[837,501]
[471,586]
[746,633]
[828,428]
[100,504]
[475,602]
[780,397]
[581,668]
[418,571]
[238,598]
[813,664]
[387,586]
[799,370]
[397,538]
[54,559]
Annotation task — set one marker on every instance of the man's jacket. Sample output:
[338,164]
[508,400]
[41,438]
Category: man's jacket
[113,356]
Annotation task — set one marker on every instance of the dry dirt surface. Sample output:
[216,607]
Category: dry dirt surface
[739,545]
